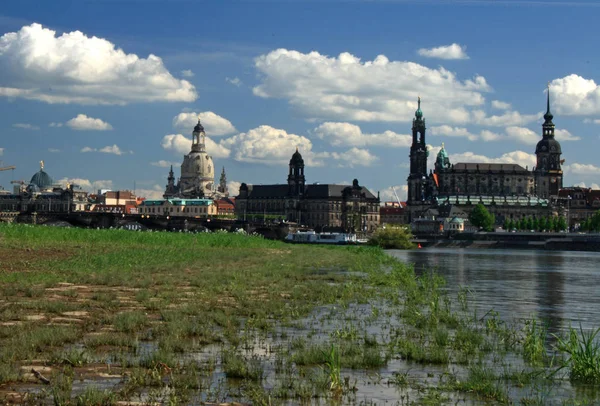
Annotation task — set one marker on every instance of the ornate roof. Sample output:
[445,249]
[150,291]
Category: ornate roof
[41,179]
[419,112]
[199,128]
[296,158]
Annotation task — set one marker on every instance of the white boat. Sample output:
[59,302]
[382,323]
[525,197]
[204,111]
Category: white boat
[312,237]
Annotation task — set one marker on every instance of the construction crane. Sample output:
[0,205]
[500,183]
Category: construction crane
[7,168]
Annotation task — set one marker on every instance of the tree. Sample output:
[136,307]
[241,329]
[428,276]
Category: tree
[527,223]
[392,237]
[506,224]
[535,224]
[482,218]
[561,224]
[543,224]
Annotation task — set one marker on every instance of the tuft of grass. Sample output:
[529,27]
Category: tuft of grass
[534,350]
[333,368]
[93,396]
[130,322]
[583,355]
[238,367]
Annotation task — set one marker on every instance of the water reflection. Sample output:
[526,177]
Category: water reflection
[557,287]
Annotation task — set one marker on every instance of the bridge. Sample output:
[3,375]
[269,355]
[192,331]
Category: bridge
[136,222]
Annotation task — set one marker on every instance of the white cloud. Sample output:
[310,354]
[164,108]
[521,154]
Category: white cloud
[213,124]
[268,145]
[1,151]
[187,73]
[154,193]
[354,157]
[85,123]
[37,64]
[387,194]
[233,186]
[514,157]
[183,145]
[453,51]
[488,135]
[509,118]
[26,126]
[565,135]
[500,105]
[453,132]
[589,120]
[582,169]
[235,81]
[53,150]
[575,95]
[349,134]
[346,89]
[109,149]
[164,164]
[594,186]
[56,125]
[523,135]
[86,184]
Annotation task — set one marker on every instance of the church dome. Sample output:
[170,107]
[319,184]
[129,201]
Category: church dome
[297,158]
[548,145]
[442,154]
[42,180]
[199,127]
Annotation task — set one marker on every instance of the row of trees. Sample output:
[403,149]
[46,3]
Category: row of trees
[537,224]
[592,224]
[482,218]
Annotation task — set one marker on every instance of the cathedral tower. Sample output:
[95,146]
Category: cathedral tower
[197,170]
[418,159]
[222,188]
[548,171]
[296,178]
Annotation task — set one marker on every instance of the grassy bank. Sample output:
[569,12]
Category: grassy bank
[109,315]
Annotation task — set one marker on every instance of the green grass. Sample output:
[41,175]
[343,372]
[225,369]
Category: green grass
[582,355]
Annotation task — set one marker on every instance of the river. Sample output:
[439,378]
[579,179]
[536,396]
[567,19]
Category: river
[561,288]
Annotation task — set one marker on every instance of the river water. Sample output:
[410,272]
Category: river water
[561,288]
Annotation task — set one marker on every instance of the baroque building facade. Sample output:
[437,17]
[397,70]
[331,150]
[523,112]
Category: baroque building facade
[197,173]
[509,190]
[320,206]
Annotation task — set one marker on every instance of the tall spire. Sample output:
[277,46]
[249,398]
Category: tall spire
[419,113]
[548,116]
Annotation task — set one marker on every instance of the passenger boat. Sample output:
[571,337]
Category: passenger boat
[312,237]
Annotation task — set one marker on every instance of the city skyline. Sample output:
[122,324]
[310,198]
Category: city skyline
[107,93]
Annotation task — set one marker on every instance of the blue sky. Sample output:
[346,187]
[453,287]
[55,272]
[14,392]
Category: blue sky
[106,91]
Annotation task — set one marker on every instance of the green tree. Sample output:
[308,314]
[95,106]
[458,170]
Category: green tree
[527,224]
[396,237]
[535,224]
[551,223]
[543,224]
[561,224]
[506,224]
[521,224]
[482,218]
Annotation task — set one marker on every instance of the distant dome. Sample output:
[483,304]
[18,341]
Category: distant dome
[42,180]
[199,128]
[548,145]
[442,154]
[297,158]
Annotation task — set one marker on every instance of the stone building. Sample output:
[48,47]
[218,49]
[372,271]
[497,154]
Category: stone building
[510,190]
[196,208]
[319,206]
[197,173]
[42,195]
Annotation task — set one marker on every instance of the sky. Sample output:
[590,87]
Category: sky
[107,92]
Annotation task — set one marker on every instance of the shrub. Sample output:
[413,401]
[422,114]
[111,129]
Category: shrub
[392,237]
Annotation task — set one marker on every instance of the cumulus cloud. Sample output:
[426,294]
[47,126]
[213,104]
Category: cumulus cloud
[271,146]
[37,64]
[164,164]
[154,193]
[453,132]
[1,151]
[234,81]
[589,120]
[523,135]
[109,149]
[582,169]
[565,135]
[354,157]
[452,51]
[55,125]
[575,95]
[233,186]
[345,88]
[86,184]
[509,118]
[514,157]
[500,105]
[85,123]
[26,126]
[187,73]
[183,145]
[351,135]
[583,185]
[214,125]
[388,195]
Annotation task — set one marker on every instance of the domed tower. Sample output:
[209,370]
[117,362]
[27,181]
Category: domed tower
[197,170]
[418,159]
[296,178]
[548,171]
[41,180]
[442,162]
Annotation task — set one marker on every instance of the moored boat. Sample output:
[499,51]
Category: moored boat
[312,237]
